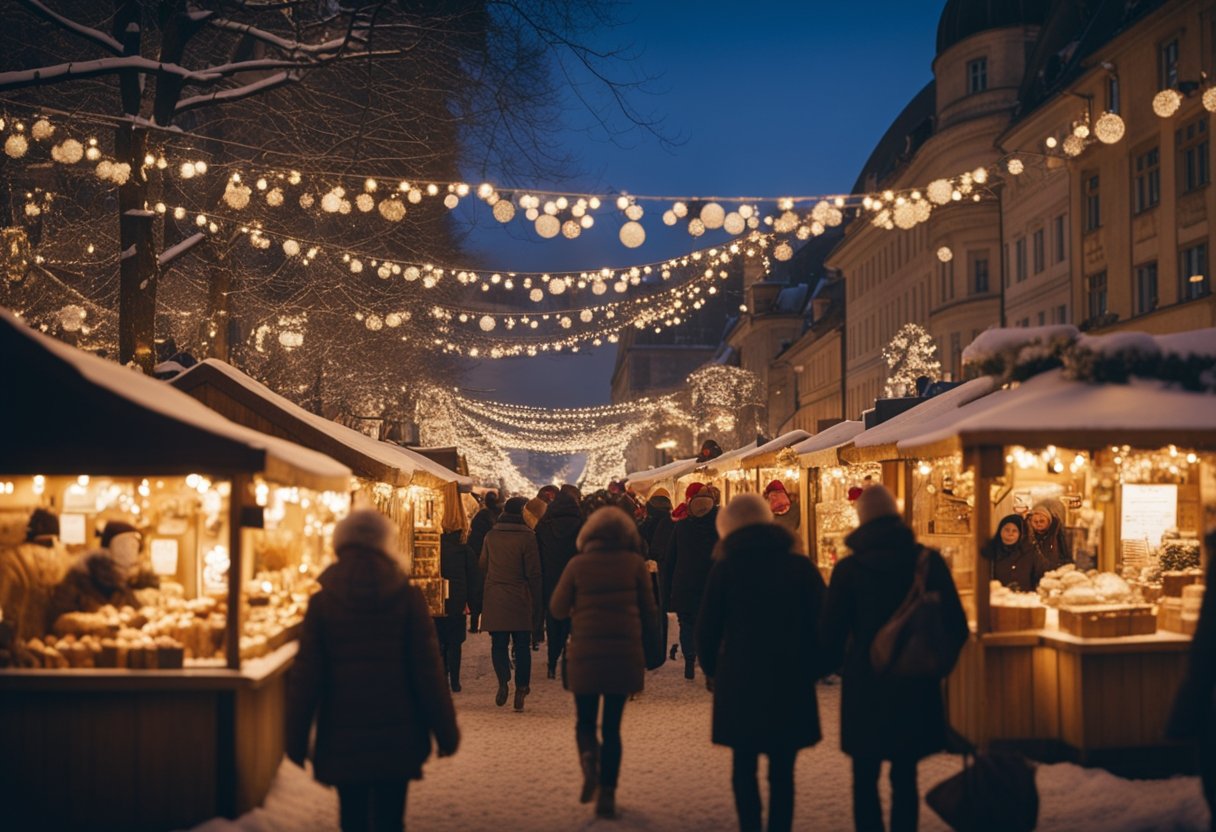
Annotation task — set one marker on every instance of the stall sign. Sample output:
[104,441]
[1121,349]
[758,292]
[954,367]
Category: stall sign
[164,556]
[1148,512]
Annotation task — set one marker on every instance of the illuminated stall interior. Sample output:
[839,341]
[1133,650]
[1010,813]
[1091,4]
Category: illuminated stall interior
[410,489]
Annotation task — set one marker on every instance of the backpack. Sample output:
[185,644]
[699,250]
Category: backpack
[913,643]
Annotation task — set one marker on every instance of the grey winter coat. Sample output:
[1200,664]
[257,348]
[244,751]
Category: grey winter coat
[513,595]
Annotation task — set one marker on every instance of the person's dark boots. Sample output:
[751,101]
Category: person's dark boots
[589,760]
[552,671]
[690,668]
[500,698]
[605,804]
[520,693]
[453,663]
[674,648]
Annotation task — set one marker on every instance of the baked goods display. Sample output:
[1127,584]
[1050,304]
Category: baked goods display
[169,631]
[1070,587]
[1010,610]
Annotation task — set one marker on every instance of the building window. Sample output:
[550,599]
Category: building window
[1042,318]
[1112,94]
[1061,232]
[979,274]
[977,75]
[1025,322]
[1062,314]
[1146,192]
[1096,294]
[1167,64]
[1037,246]
[956,354]
[1193,272]
[1146,288]
[1019,260]
[1093,202]
[1192,143]
[946,280]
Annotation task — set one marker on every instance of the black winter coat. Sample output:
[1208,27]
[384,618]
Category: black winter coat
[688,563]
[557,538]
[1019,566]
[483,521]
[458,565]
[658,530]
[883,717]
[369,670]
[1195,704]
[757,638]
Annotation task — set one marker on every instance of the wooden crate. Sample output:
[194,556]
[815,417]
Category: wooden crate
[1105,621]
[1005,619]
[1173,582]
[1169,615]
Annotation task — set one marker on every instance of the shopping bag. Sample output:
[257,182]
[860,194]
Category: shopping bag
[994,792]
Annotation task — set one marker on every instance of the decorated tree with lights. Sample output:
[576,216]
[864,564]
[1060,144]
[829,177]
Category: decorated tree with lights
[909,356]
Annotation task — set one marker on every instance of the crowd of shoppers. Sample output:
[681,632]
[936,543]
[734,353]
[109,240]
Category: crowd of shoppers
[594,578]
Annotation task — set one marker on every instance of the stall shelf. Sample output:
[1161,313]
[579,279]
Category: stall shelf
[1098,700]
[124,748]
[411,489]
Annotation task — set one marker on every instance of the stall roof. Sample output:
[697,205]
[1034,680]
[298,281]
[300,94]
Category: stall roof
[880,442]
[821,449]
[1050,409]
[766,454]
[234,394]
[69,412]
[729,461]
[645,480]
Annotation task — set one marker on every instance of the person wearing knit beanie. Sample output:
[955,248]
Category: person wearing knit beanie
[744,510]
[874,502]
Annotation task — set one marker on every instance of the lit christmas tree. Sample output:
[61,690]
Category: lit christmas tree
[909,356]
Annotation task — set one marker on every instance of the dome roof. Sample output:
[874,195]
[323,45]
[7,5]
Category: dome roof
[963,18]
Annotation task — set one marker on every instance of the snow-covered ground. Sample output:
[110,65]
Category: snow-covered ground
[519,771]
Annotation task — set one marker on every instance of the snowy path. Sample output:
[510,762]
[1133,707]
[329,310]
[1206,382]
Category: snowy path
[518,771]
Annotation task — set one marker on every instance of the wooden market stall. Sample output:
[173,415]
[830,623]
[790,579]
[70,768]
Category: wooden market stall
[409,488]
[775,461]
[723,472]
[171,714]
[1087,666]
[825,479]
[645,483]
[949,533]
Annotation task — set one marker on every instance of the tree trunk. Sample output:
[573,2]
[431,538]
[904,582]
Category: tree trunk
[139,267]
[218,313]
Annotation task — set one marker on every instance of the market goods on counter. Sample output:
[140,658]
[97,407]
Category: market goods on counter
[1108,620]
[1068,586]
[1174,583]
[168,631]
[1010,610]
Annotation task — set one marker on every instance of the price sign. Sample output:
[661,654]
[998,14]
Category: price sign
[1148,512]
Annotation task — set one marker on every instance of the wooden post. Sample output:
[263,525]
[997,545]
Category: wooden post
[988,463]
[232,641]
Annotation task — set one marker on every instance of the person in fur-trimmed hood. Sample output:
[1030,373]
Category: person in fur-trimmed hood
[884,718]
[368,670]
[1046,533]
[757,638]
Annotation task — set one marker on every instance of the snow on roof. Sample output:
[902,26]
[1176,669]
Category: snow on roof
[992,342]
[909,422]
[1198,342]
[833,437]
[782,442]
[392,456]
[163,399]
[643,480]
[1051,409]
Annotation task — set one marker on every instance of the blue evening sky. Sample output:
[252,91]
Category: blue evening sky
[770,99]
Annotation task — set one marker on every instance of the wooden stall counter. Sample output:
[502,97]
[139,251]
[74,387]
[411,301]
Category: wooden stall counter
[140,750]
[1101,701]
